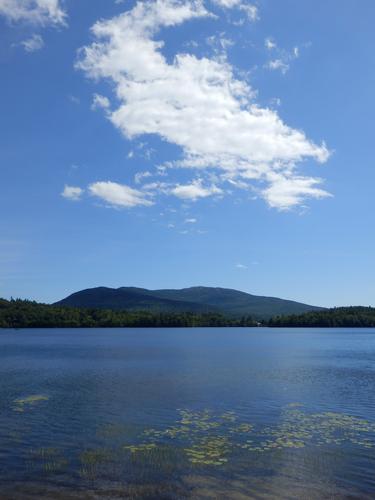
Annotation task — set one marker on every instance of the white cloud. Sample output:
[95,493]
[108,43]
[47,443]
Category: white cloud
[73,193]
[190,221]
[282,58]
[32,44]
[250,10]
[219,43]
[74,99]
[227,4]
[286,192]
[275,101]
[278,64]
[196,104]
[194,191]
[41,12]
[139,176]
[118,195]
[241,266]
[269,43]
[100,102]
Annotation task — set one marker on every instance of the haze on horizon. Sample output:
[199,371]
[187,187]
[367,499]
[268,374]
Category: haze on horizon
[168,144]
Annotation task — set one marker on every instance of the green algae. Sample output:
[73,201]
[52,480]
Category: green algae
[299,429]
[212,439]
[209,451]
[202,436]
[21,404]
[140,448]
[202,441]
[242,428]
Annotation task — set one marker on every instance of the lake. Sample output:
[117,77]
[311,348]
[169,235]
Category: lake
[187,413]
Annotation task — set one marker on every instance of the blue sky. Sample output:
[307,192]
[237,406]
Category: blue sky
[168,144]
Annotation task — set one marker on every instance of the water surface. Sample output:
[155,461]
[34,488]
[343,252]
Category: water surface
[187,413]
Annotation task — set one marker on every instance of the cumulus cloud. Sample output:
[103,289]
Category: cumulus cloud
[191,221]
[32,44]
[285,192]
[40,12]
[118,195]
[73,193]
[197,104]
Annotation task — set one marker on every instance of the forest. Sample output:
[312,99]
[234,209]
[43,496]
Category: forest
[355,316]
[17,313]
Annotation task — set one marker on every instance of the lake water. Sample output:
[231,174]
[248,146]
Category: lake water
[187,413]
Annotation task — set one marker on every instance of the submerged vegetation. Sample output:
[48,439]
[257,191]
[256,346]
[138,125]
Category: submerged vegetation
[27,314]
[209,439]
[22,404]
[194,442]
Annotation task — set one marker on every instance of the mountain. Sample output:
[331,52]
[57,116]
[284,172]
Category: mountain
[130,299]
[236,303]
[195,299]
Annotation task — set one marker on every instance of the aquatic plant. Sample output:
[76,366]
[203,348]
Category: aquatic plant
[140,447]
[95,456]
[44,452]
[299,428]
[93,462]
[48,459]
[209,451]
[56,465]
[210,439]
[20,404]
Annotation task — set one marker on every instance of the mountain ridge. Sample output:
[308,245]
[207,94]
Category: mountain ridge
[198,299]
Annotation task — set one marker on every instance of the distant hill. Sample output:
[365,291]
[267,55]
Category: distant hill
[195,299]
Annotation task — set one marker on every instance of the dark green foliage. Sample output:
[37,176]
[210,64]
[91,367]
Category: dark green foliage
[131,299]
[27,314]
[197,299]
[357,317]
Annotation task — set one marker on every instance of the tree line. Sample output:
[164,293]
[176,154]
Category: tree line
[17,313]
[355,316]
[29,314]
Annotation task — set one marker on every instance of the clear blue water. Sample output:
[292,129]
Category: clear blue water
[187,413]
